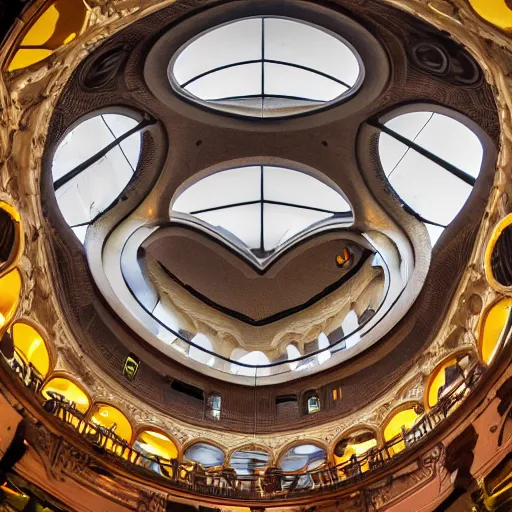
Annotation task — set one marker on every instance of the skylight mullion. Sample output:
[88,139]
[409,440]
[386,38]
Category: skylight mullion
[224,207]
[219,68]
[262,67]
[122,150]
[305,207]
[100,154]
[262,202]
[470,180]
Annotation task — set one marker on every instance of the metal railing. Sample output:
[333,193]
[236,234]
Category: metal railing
[272,482]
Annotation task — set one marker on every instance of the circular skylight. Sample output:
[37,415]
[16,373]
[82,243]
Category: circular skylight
[261,207]
[92,166]
[432,161]
[266,67]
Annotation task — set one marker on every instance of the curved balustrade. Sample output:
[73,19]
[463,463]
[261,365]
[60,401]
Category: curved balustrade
[272,482]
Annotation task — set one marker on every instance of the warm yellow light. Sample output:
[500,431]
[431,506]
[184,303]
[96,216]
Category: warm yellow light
[58,25]
[106,416]
[2,320]
[437,382]
[29,343]
[158,444]
[494,11]
[10,290]
[404,419]
[69,390]
[492,326]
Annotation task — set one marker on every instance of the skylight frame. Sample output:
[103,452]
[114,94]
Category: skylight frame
[351,90]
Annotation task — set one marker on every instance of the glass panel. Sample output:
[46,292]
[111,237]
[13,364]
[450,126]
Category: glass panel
[496,12]
[410,125]
[248,462]
[300,43]
[453,142]
[235,42]
[434,232]
[302,456]
[391,152]
[81,232]
[283,222]
[433,192]
[58,25]
[205,454]
[242,221]
[197,354]
[113,419]
[289,186]
[220,189]
[405,419]
[154,443]
[288,81]
[69,390]
[492,329]
[119,125]
[244,80]
[29,343]
[10,284]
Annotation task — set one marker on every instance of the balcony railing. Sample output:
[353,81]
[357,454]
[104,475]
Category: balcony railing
[273,482]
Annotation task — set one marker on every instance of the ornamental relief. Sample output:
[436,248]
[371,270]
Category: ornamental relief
[27,101]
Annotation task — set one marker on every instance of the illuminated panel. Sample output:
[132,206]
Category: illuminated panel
[57,26]
[10,286]
[492,329]
[494,11]
[112,419]
[69,390]
[394,426]
[356,444]
[31,346]
[157,444]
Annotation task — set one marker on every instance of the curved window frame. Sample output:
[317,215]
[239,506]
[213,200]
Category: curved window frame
[213,105]
[143,123]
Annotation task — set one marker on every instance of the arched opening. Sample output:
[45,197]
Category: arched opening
[11,236]
[63,388]
[494,329]
[432,162]
[115,425]
[58,25]
[447,378]
[396,425]
[302,459]
[86,181]
[10,284]
[204,454]
[350,450]
[496,12]
[31,349]
[249,461]
[156,447]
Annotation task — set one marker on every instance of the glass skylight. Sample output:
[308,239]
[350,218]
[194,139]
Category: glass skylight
[266,67]
[432,161]
[261,207]
[92,166]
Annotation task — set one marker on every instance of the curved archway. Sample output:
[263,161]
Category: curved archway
[68,389]
[493,329]
[10,284]
[11,237]
[249,460]
[302,457]
[205,454]
[114,421]
[446,377]
[354,443]
[399,419]
[31,347]
[154,445]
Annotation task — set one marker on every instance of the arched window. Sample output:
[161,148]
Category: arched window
[249,461]
[303,457]
[115,421]
[11,236]
[70,391]
[154,444]
[447,378]
[312,402]
[10,284]
[261,207]
[30,346]
[494,329]
[432,162]
[207,455]
[496,12]
[266,67]
[92,166]
[395,425]
[354,445]
[58,25]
